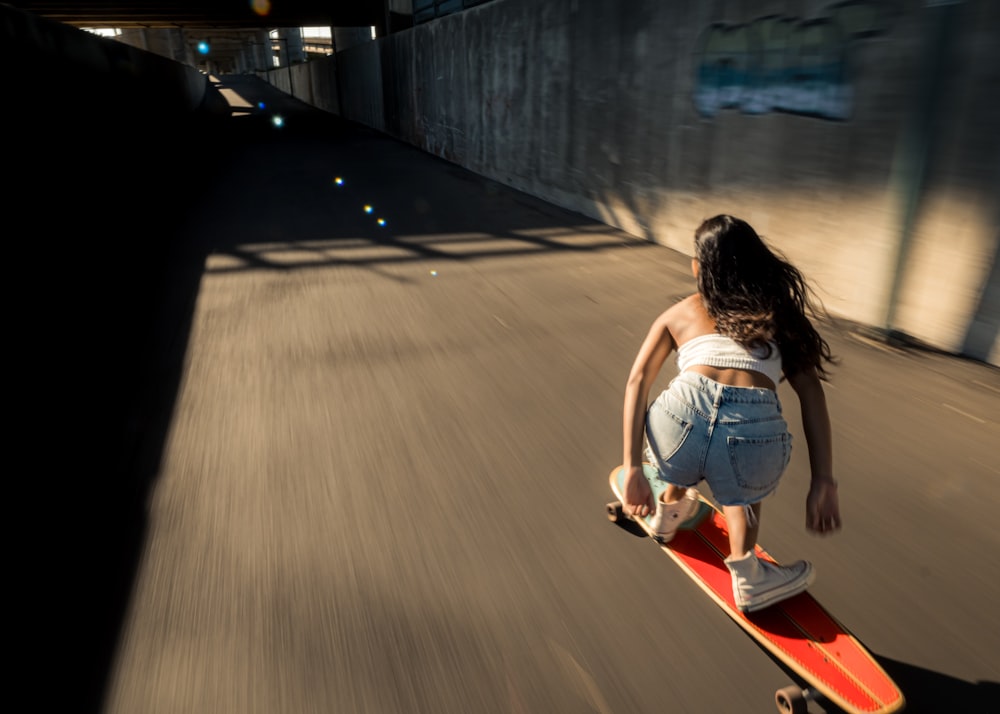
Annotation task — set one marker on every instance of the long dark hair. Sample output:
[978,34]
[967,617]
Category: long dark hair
[756,296]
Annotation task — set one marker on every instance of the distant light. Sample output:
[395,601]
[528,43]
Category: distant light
[373,31]
[339,181]
[368,209]
[203,47]
[278,121]
[261,105]
[261,7]
[381,221]
[317,32]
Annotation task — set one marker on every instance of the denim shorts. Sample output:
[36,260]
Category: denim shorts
[734,438]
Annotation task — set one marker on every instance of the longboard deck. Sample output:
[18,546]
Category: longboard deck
[798,631]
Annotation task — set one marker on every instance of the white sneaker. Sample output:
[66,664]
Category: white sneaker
[760,583]
[669,517]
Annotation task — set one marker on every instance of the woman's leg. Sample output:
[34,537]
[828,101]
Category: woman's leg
[758,583]
[743,530]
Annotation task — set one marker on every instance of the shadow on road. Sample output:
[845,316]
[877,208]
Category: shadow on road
[925,691]
[930,692]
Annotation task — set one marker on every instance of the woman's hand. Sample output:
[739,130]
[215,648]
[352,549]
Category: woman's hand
[638,496]
[823,507]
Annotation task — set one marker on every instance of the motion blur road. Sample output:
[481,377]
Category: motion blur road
[377,460]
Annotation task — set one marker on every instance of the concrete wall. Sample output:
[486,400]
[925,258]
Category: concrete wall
[858,137]
[314,82]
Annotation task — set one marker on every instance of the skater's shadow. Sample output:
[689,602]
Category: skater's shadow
[630,526]
[926,691]
[930,692]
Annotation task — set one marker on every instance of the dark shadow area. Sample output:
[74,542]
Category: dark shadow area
[630,526]
[105,290]
[106,212]
[929,692]
[925,691]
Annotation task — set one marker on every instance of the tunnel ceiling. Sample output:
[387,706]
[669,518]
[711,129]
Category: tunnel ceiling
[223,14]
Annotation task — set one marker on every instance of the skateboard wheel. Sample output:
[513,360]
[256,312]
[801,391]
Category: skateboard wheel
[615,512]
[791,700]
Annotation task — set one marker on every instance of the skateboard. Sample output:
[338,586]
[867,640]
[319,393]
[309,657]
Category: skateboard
[798,631]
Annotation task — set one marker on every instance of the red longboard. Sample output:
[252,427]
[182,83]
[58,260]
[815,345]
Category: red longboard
[799,631]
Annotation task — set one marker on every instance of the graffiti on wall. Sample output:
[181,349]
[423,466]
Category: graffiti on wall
[786,64]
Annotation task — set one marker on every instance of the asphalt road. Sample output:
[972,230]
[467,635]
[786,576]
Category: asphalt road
[365,466]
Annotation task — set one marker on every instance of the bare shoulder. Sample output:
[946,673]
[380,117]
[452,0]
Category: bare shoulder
[688,318]
[685,308]
[677,315]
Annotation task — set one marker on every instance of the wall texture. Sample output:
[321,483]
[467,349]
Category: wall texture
[859,137]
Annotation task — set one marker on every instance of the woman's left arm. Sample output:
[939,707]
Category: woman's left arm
[823,503]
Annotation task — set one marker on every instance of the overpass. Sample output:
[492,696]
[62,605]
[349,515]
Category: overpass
[232,14]
[238,33]
[215,341]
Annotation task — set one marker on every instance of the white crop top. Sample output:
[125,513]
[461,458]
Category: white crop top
[726,353]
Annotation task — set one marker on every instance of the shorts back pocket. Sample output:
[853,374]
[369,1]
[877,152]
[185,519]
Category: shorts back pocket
[666,433]
[759,461]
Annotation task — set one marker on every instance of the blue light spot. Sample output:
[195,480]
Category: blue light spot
[203,47]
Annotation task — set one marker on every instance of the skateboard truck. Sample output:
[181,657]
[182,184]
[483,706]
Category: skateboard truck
[795,700]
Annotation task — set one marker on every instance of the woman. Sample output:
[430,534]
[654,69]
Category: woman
[720,419]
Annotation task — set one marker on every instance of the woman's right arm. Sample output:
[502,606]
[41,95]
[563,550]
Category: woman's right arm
[655,348]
